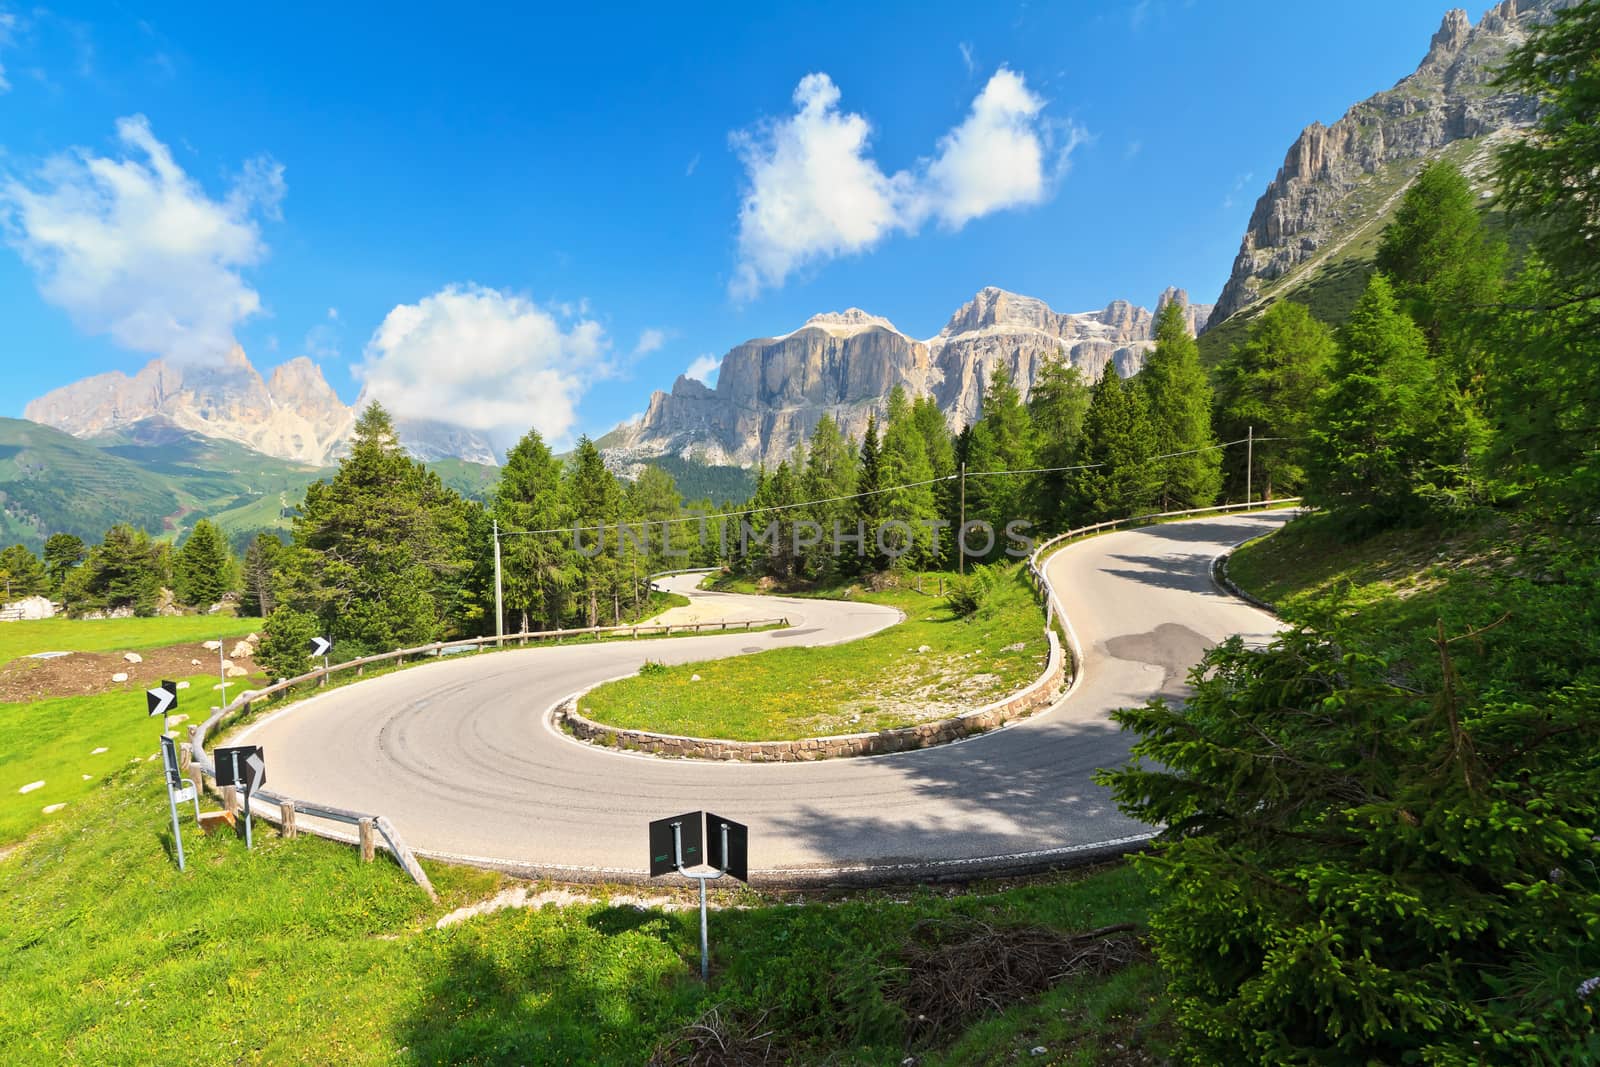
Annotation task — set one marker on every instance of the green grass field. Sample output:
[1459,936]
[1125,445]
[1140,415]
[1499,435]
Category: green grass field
[878,683]
[54,741]
[115,635]
[298,953]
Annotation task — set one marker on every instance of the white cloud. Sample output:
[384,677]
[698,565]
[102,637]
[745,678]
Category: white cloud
[995,159]
[688,172]
[134,248]
[705,369]
[8,26]
[486,360]
[813,191]
[649,341]
[333,313]
[966,57]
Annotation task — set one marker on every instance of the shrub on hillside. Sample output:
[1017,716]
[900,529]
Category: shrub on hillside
[1355,871]
[967,594]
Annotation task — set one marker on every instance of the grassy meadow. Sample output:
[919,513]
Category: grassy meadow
[26,637]
[878,683]
[298,953]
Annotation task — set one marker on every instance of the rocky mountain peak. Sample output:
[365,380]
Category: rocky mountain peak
[772,391]
[1336,178]
[848,322]
[1450,38]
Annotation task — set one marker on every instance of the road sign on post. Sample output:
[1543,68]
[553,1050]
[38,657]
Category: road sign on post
[670,851]
[728,846]
[244,767]
[677,844]
[169,761]
[321,646]
[161,699]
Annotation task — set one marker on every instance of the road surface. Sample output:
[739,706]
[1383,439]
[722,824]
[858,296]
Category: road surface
[462,757]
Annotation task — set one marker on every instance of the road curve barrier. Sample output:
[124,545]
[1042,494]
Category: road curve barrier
[285,811]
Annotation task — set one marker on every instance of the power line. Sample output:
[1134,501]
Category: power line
[854,496]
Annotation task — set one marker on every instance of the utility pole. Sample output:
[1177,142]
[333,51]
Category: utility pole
[499,606]
[961,527]
[1249,461]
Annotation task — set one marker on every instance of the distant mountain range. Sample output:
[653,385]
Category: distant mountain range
[772,391]
[295,415]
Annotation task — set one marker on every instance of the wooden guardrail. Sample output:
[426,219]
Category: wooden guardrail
[290,808]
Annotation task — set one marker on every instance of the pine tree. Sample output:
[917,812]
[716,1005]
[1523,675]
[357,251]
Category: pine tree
[62,553]
[123,571]
[829,473]
[869,501]
[1178,398]
[536,568]
[1001,440]
[260,563]
[907,478]
[1377,441]
[1268,387]
[203,567]
[1444,267]
[1057,407]
[1118,443]
[378,550]
[595,501]
[23,573]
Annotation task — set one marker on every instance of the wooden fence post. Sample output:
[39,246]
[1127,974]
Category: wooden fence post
[287,826]
[230,798]
[185,757]
[367,850]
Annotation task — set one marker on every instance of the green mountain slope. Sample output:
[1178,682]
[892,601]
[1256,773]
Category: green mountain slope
[1330,282]
[161,478]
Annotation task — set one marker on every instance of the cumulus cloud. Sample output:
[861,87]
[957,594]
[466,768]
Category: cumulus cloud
[705,369]
[133,248]
[813,191]
[486,360]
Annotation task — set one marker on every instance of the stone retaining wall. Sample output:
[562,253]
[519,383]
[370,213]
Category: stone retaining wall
[980,720]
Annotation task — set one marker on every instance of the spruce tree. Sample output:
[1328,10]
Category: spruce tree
[869,501]
[22,573]
[1377,443]
[1002,440]
[62,553]
[1178,398]
[1268,386]
[378,549]
[909,498]
[829,473]
[1057,407]
[536,568]
[1118,443]
[595,501]
[258,574]
[203,567]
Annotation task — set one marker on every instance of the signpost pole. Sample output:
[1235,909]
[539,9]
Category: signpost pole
[177,834]
[238,780]
[705,940]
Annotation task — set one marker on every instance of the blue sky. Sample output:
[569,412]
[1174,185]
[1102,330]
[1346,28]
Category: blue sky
[534,216]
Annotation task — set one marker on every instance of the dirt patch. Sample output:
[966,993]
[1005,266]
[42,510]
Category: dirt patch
[960,970]
[86,673]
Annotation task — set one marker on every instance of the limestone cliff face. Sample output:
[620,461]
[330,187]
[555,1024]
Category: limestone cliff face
[772,391]
[294,415]
[1387,137]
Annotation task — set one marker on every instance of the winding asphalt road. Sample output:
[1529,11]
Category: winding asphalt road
[463,759]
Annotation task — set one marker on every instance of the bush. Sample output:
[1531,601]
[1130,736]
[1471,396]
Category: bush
[285,643]
[1356,871]
[968,594]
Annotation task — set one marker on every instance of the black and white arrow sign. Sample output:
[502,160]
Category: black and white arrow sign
[256,769]
[321,646]
[160,700]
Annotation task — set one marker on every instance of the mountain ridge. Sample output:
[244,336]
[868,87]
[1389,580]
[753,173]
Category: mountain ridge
[772,391]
